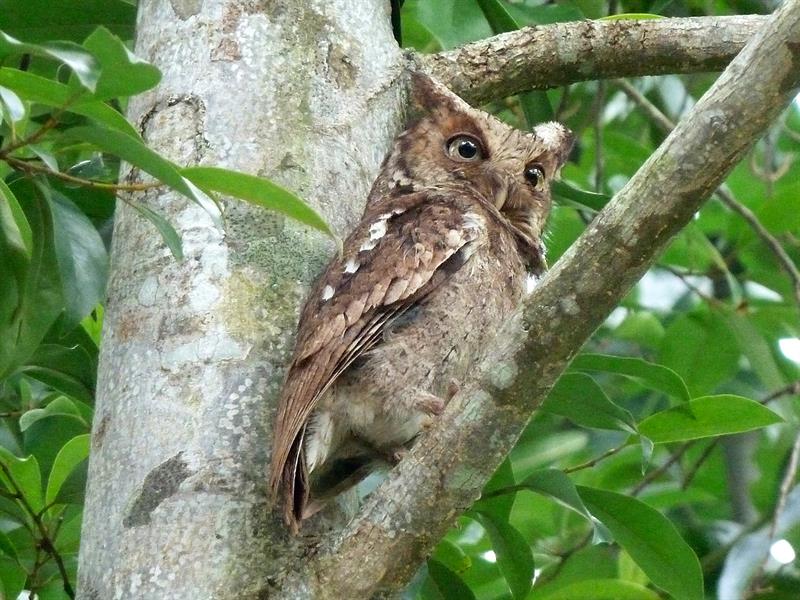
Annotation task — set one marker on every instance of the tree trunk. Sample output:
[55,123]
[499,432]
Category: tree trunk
[307,94]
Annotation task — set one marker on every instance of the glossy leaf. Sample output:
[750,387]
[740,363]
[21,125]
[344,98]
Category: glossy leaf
[16,232]
[22,475]
[446,585]
[70,456]
[652,375]
[82,63]
[596,589]
[82,259]
[168,233]
[572,195]
[579,398]
[26,316]
[514,556]
[51,93]
[136,153]
[650,539]
[258,191]
[711,416]
[59,407]
[14,107]
[122,73]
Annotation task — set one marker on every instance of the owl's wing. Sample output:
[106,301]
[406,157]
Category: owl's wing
[402,249]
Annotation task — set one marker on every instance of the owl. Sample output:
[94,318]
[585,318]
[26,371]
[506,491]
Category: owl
[449,239]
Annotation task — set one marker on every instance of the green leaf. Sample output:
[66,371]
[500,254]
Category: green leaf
[579,398]
[51,93]
[499,506]
[6,547]
[60,407]
[654,376]
[258,191]
[499,18]
[139,155]
[122,74]
[685,349]
[650,539]
[557,485]
[26,317]
[15,109]
[630,17]
[711,416]
[596,589]
[514,556]
[13,576]
[82,63]
[16,231]
[573,196]
[446,584]
[69,367]
[452,556]
[168,233]
[82,258]
[26,476]
[70,456]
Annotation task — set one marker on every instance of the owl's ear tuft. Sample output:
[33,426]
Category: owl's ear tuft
[557,139]
[428,95]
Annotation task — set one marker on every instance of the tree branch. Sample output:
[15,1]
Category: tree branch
[553,55]
[444,473]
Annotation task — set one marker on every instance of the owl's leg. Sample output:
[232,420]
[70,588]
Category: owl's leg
[319,439]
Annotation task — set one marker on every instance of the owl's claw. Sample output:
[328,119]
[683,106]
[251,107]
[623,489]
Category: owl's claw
[430,404]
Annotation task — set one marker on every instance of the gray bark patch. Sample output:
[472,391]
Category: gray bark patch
[160,483]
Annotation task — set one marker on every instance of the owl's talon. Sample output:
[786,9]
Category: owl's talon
[430,404]
[452,388]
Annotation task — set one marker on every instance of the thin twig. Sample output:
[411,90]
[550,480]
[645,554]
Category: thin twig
[594,461]
[599,158]
[90,183]
[656,473]
[666,125]
[45,542]
[787,482]
[51,122]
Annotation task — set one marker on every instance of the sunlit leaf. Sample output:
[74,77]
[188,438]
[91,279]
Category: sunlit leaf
[650,539]
[168,233]
[70,456]
[51,93]
[652,375]
[122,73]
[710,416]
[514,556]
[82,63]
[256,190]
[579,398]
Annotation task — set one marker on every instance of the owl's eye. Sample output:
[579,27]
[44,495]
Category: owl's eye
[464,148]
[534,174]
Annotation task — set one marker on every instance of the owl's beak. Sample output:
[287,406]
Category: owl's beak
[501,195]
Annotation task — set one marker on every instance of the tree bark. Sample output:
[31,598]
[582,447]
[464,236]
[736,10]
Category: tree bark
[309,95]
[303,93]
[552,55]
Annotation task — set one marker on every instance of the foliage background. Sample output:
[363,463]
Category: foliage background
[653,469]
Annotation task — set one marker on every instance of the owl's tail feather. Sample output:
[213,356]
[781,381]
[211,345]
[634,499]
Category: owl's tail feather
[295,486]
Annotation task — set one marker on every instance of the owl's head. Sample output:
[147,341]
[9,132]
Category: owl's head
[452,147]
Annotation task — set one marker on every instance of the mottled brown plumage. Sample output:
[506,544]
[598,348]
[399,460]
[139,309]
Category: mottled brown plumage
[450,235]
